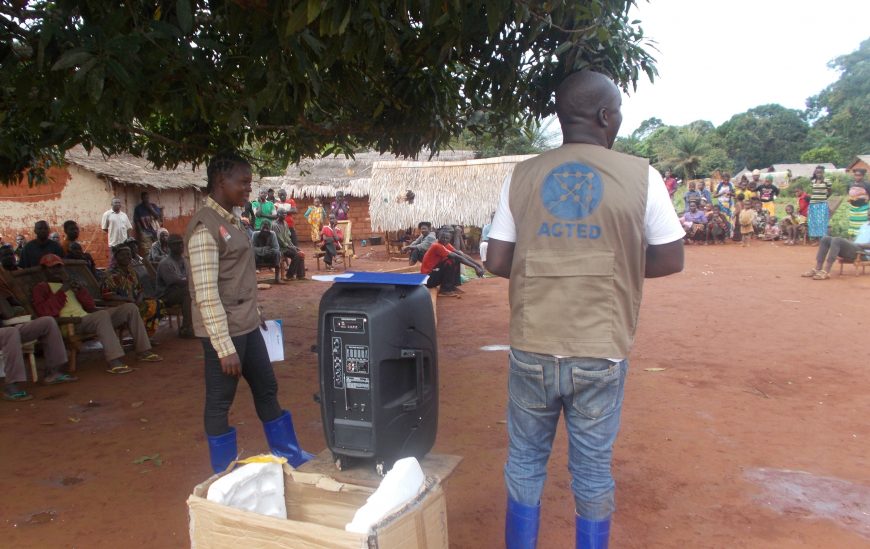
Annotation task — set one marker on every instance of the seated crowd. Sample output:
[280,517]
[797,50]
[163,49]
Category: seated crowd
[747,212]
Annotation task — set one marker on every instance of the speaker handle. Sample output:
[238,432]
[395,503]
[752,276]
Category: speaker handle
[418,366]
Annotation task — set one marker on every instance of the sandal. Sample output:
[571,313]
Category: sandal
[17,396]
[120,369]
[150,357]
[821,275]
[59,378]
[811,273]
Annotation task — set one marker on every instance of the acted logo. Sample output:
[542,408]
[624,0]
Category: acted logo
[572,191]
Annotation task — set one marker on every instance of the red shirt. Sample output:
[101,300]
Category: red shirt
[436,253]
[327,233]
[289,218]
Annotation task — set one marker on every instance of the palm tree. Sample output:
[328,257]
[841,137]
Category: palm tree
[687,151]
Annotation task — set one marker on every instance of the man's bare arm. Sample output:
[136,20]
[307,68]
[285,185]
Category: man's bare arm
[499,257]
[664,260]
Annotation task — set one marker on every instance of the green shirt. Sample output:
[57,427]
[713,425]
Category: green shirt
[263,210]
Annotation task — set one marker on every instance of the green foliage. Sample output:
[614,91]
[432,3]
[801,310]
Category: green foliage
[765,135]
[179,80]
[526,137]
[842,110]
[820,155]
[797,184]
[686,152]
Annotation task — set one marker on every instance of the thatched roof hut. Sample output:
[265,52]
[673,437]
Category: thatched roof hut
[463,192]
[126,169]
[323,177]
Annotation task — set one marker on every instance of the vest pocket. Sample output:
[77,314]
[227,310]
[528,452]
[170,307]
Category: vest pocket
[568,297]
[596,392]
[526,384]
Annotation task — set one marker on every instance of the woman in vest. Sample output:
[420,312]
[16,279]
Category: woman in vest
[223,288]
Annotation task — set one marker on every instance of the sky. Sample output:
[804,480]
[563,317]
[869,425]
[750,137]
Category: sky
[721,58]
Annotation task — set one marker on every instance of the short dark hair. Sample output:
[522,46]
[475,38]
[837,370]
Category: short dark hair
[421,224]
[222,163]
[68,223]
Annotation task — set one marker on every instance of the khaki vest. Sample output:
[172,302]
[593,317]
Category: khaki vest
[237,278]
[579,258]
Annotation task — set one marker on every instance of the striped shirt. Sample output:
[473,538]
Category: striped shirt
[202,251]
[819,191]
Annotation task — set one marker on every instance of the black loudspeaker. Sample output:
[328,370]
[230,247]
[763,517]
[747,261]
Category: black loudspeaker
[378,361]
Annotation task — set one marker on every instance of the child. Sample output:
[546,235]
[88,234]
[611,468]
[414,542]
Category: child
[792,225]
[771,230]
[760,217]
[746,220]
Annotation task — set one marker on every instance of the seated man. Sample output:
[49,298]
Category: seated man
[291,254]
[172,286]
[418,247]
[266,250]
[792,226]
[11,337]
[39,246]
[441,263]
[695,223]
[75,251]
[63,296]
[830,248]
[7,258]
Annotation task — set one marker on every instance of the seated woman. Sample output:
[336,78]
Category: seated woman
[160,247]
[695,223]
[330,241]
[121,284]
[792,226]
[267,253]
[718,226]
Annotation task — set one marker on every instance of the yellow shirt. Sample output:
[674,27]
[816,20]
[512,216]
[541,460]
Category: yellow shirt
[72,307]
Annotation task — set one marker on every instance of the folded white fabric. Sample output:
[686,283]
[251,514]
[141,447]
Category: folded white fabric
[399,486]
[255,487]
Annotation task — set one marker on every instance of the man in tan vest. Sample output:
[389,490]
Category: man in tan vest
[223,289]
[577,229]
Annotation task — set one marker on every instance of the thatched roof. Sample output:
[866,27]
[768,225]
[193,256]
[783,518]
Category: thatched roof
[463,192]
[324,176]
[126,169]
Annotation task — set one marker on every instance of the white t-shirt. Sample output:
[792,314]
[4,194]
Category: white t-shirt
[661,224]
[117,225]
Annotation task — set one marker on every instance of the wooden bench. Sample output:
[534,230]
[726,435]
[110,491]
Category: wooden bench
[862,261]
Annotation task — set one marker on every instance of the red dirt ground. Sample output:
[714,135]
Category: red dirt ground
[765,377]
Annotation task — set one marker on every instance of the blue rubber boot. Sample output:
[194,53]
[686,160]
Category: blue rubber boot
[521,525]
[222,450]
[592,534]
[282,440]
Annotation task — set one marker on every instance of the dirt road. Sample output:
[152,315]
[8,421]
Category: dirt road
[755,434]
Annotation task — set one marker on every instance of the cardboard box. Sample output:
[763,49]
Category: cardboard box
[318,507]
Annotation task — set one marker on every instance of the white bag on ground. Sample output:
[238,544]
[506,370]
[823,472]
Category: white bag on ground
[399,486]
[255,487]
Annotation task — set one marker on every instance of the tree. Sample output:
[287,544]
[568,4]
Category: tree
[820,155]
[526,137]
[765,135]
[842,110]
[687,153]
[179,80]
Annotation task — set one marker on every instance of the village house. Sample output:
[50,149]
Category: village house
[83,189]
[324,177]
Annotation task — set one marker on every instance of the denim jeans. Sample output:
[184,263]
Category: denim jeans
[589,391]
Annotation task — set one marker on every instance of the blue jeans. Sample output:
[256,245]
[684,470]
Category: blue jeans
[589,391]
